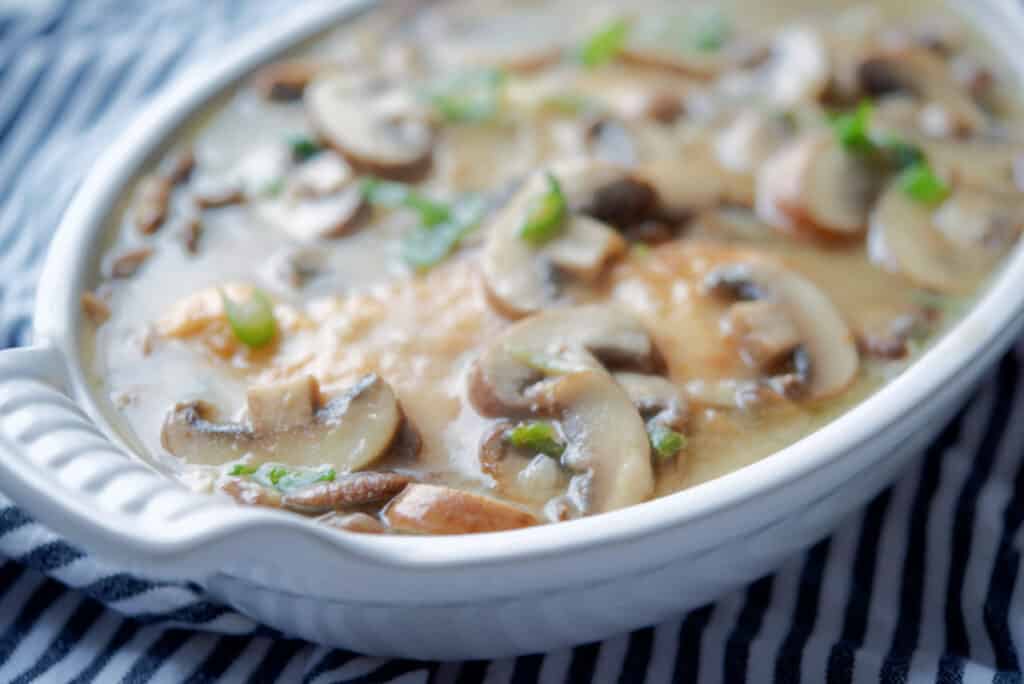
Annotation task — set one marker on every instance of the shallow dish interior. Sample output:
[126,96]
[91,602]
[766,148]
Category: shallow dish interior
[957,338]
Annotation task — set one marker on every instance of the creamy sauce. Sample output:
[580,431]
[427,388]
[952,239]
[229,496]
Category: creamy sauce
[366,312]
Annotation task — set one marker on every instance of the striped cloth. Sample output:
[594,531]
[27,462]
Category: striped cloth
[921,587]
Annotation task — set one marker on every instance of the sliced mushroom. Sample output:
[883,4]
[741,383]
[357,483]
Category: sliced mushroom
[544,366]
[501,380]
[350,432]
[826,360]
[521,278]
[191,231]
[658,399]
[151,203]
[950,111]
[354,522]
[433,509]
[520,474]
[283,406]
[749,140]
[517,41]
[608,444]
[316,218]
[128,263]
[800,68]
[949,248]
[764,331]
[374,124]
[346,491]
[814,186]
[250,493]
[888,335]
[286,81]
[96,309]
[688,183]
[660,43]
[177,167]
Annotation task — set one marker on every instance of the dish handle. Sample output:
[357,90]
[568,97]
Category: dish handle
[58,466]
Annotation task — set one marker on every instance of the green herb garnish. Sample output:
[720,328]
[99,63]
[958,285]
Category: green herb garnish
[285,479]
[665,442]
[470,97]
[304,147]
[539,436]
[922,185]
[605,44]
[853,129]
[241,469]
[428,245]
[401,196]
[546,216]
[252,321]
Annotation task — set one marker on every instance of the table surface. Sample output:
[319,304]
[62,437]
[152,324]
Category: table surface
[922,586]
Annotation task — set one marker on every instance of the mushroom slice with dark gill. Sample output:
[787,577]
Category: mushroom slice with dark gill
[290,424]
[522,473]
[948,110]
[377,126]
[657,398]
[826,359]
[813,186]
[521,277]
[947,248]
[435,509]
[345,491]
[546,365]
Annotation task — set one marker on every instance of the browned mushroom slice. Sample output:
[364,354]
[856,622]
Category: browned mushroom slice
[151,202]
[250,493]
[354,522]
[501,379]
[948,249]
[826,360]
[374,124]
[433,509]
[95,308]
[349,431]
[521,278]
[190,233]
[608,445]
[127,264]
[286,81]
[813,185]
[178,166]
[316,218]
[346,491]
[950,111]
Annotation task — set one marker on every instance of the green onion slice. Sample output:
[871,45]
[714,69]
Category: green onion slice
[470,97]
[605,44]
[665,442]
[285,479]
[241,469]
[537,435]
[711,31]
[252,321]
[428,245]
[921,183]
[401,196]
[853,129]
[546,216]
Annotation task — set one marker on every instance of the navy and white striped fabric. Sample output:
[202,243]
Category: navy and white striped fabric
[922,587]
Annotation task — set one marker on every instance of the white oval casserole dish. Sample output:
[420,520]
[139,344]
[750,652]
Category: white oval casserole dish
[495,594]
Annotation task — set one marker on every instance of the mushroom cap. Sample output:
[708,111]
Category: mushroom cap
[373,124]
[608,442]
[923,73]
[500,381]
[434,509]
[350,432]
[316,218]
[906,237]
[520,278]
[814,186]
[825,339]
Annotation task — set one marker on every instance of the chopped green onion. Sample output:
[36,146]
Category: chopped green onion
[242,469]
[539,436]
[273,188]
[898,154]
[546,215]
[548,364]
[399,195]
[711,31]
[252,321]
[285,479]
[922,185]
[304,147]
[665,441]
[470,97]
[605,44]
[853,129]
[429,244]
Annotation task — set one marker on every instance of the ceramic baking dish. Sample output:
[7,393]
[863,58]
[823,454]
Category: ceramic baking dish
[444,597]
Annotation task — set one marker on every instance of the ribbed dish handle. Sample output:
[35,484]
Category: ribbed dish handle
[57,465]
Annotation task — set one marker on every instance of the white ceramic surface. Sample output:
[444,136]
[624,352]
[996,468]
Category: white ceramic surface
[494,594]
